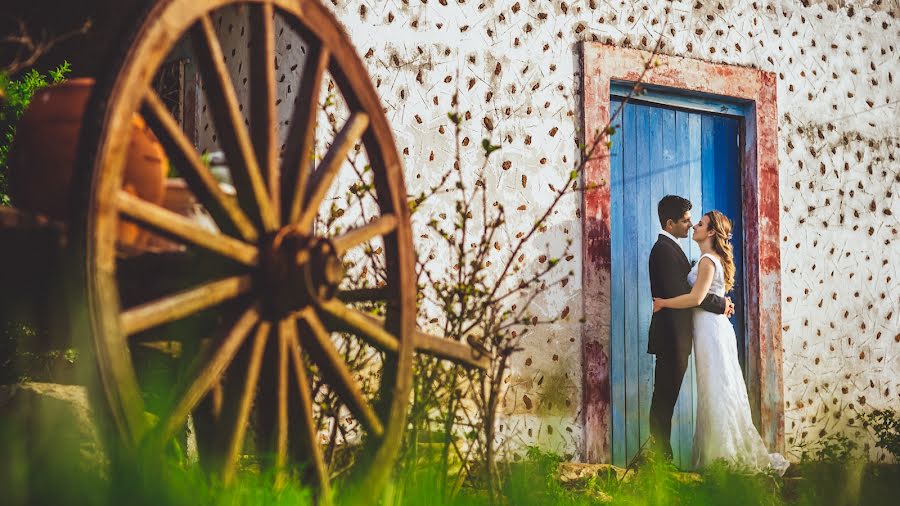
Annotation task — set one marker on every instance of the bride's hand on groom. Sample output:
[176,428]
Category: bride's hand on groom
[658,304]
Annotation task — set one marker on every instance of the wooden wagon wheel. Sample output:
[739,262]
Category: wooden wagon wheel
[274,296]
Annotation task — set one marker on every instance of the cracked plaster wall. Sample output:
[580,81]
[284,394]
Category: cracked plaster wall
[515,63]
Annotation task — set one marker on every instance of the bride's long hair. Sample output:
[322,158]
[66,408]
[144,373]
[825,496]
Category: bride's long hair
[721,243]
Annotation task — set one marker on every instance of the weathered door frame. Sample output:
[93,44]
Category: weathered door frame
[602,64]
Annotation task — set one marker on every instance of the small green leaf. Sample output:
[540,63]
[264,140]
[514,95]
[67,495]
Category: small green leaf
[488,147]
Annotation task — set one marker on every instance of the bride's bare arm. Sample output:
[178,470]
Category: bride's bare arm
[705,272]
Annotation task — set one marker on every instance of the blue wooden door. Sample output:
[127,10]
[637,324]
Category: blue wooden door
[656,151]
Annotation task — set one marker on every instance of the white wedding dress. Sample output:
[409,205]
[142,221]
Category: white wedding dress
[724,429]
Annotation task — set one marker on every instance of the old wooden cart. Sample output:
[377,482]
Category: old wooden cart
[257,311]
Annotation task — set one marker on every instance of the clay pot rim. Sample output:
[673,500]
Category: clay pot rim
[75,81]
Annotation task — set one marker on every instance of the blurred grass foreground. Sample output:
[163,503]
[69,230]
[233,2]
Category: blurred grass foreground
[52,455]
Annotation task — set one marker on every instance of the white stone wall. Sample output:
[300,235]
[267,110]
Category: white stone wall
[516,66]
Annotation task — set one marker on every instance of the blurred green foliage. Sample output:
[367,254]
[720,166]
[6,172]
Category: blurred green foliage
[885,424]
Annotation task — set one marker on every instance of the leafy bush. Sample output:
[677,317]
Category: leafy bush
[885,423]
[834,448]
[16,95]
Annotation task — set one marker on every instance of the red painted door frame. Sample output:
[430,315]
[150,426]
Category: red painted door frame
[601,64]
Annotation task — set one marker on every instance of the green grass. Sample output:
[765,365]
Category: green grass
[37,469]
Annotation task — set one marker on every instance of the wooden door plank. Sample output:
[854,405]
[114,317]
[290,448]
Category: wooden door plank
[695,149]
[694,146]
[673,182]
[680,184]
[709,162]
[631,266]
[729,201]
[649,193]
[617,309]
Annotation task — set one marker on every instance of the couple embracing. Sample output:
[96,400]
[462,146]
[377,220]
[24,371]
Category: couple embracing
[690,310]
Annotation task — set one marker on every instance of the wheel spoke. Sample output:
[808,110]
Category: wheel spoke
[451,350]
[297,161]
[175,226]
[361,324]
[262,106]
[281,441]
[236,442]
[306,427]
[331,164]
[364,295]
[182,304]
[377,227]
[233,136]
[224,210]
[372,329]
[205,373]
[338,376]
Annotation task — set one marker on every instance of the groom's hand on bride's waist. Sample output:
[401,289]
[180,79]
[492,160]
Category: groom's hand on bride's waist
[729,307]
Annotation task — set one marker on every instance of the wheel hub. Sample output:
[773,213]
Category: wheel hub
[298,270]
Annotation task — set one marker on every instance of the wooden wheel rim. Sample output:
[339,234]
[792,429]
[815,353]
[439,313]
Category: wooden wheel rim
[94,231]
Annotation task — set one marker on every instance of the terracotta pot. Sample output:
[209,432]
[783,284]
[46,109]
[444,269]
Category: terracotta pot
[179,198]
[42,156]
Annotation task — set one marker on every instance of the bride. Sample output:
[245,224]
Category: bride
[724,429]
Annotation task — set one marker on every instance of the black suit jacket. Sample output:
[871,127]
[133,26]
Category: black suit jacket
[672,330]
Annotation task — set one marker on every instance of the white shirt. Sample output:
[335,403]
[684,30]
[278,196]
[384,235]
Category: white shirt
[670,236]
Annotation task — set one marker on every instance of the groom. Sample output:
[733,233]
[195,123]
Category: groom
[672,330]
